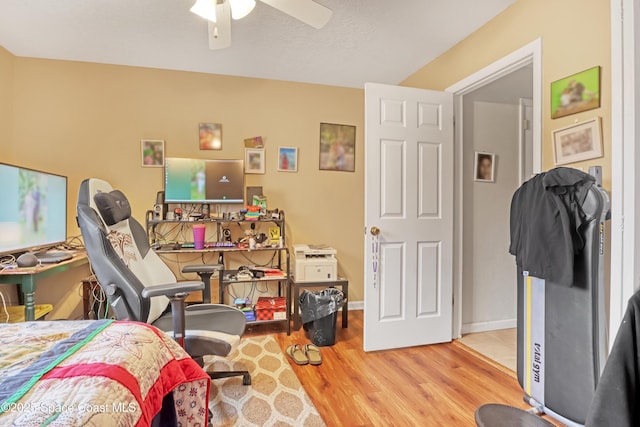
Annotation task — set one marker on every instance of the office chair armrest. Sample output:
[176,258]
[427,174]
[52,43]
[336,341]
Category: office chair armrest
[172,289]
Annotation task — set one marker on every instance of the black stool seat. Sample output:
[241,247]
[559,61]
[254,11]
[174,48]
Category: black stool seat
[496,415]
[202,268]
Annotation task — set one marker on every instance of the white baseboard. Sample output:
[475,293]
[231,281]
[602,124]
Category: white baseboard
[356,305]
[471,328]
[468,328]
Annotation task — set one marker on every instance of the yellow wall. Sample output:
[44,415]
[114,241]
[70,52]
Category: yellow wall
[6,98]
[575,36]
[82,119]
[86,120]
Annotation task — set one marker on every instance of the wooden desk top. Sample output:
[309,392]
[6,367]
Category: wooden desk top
[79,258]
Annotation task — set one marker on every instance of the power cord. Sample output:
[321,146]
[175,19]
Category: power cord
[73,243]
[4,306]
[98,297]
[269,263]
[7,262]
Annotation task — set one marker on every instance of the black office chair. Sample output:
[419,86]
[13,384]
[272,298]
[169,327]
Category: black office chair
[139,285]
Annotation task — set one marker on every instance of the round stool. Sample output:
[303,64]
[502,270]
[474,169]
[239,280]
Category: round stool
[496,415]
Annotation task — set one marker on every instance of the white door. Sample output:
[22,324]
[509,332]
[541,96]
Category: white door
[409,204]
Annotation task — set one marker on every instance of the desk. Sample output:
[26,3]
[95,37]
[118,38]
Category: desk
[344,285]
[27,279]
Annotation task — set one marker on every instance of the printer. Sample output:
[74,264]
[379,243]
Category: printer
[314,263]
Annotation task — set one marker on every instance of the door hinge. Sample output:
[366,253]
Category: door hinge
[526,125]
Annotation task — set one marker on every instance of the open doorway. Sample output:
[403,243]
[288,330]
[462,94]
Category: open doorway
[484,272]
[496,131]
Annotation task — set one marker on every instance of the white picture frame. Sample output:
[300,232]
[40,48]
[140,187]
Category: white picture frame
[287,159]
[578,142]
[484,167]
[152,153]
[254,160]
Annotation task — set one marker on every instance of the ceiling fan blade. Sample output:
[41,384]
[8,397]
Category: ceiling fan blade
[307,11]
[220,31]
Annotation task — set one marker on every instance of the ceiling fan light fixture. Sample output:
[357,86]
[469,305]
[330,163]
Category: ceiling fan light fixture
[205,9]
[241,8]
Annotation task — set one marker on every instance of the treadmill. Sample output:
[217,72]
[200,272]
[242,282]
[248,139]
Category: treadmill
[562,334]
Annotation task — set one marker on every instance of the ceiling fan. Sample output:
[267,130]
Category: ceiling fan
[220,12]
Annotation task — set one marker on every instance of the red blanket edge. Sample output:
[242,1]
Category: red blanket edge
[173,374]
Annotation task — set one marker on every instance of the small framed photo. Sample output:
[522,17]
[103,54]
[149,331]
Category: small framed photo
[210,136]
[287,159]
[337,147]
[484,167]
[253,160]
[576,93]
[578,142]
[255,142]
[152,151]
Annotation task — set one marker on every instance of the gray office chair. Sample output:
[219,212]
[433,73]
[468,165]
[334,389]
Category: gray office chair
[496,415]
[140,286]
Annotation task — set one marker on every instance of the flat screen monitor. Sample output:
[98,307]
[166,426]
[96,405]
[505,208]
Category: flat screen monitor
[203,181]
[34,209]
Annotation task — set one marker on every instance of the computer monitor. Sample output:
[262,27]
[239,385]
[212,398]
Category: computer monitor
[34,209]
[203,181]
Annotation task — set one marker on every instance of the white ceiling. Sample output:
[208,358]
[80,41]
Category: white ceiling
[365,40]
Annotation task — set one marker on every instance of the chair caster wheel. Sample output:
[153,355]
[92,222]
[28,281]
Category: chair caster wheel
[246,379]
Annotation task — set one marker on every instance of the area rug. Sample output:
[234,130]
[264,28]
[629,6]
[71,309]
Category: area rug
[275,397]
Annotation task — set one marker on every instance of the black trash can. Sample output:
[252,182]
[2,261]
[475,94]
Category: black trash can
[319,311]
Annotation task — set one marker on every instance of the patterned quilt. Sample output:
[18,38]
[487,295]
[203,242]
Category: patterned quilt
[95,373]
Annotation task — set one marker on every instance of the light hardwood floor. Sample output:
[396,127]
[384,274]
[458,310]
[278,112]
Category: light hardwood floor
[438,385]
[500,346]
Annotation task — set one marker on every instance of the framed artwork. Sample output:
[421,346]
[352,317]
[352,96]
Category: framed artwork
[484,167]
[210,136]
[337,147]
[253,160]
[576,93]
[152,151]
[578,142]
[287,159]
[255,142]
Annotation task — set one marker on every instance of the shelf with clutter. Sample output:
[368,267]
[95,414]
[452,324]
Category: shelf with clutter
[249,242]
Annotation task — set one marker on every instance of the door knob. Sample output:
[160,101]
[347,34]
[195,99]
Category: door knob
[374,231]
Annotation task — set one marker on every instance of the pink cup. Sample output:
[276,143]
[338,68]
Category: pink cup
[198,236]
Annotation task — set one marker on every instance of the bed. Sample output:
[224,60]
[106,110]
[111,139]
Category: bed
[97,373]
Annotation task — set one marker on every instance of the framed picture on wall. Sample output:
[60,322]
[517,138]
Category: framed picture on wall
[287,159]
[484,167]
[576,93]
[253,160]
[210,136]
[152,151]
[337,147]
[578,142]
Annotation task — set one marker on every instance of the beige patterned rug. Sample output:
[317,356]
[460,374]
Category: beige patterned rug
[275,397]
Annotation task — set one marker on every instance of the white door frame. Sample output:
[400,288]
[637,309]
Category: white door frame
[625,173]
[526,55]
[523,124]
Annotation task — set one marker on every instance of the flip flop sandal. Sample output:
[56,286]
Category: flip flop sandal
[313,354]
[296,353]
